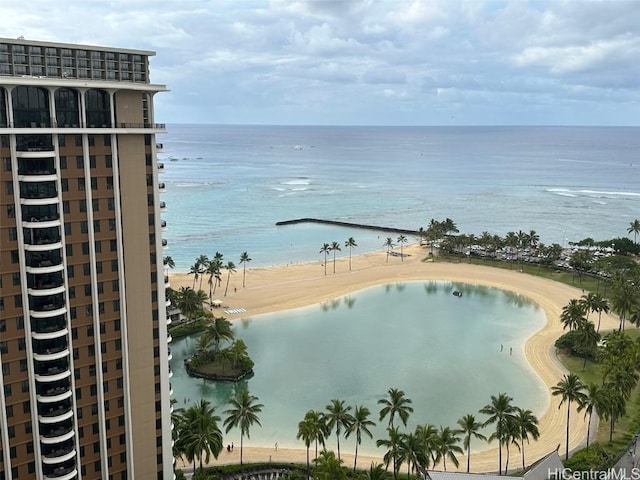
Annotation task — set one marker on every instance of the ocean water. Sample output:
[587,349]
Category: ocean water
[448,354]
[229,185]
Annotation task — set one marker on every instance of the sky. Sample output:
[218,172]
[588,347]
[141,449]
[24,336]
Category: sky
[366,62]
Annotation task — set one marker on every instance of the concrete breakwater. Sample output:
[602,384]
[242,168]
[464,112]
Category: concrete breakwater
[403,231]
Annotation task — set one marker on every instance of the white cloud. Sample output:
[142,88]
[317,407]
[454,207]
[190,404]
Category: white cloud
[380,61]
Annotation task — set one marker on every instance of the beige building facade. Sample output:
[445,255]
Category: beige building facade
[83,325]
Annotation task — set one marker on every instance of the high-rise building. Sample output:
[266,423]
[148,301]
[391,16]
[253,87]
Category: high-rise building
[83,325]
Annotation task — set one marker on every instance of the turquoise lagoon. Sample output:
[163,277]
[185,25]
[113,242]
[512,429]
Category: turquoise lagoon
[448,354]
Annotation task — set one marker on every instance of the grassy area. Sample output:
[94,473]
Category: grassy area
[587,282]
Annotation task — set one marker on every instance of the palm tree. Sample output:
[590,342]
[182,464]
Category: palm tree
[595,401]
[499,411]
[447,446]
[168,262]
[526,424]
[377,472]
[634,227]
[389,244]
[573,314]
[392,444]
[398,404]
[318,427]
[195,271]
[350,243]
[328,467]
[202,262]
[335,247]
[595,302]
[470,428]
[571,389]
[401,241]
[449,226]
[326,248]
[214,266]
[218,331]
[190,302]
[244,259]
[510,436]
[587,339]
[428,435]
[623,298]
[410,451]
[243,413]
[360,424]
[230,267]
[204,437]
[337,417]
[306,434]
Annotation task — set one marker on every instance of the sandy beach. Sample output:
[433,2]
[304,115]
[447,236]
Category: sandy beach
[291,286]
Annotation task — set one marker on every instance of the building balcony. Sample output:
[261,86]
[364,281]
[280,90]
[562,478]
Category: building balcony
[169,356]
[45,281]
[46,290]
[162,187]
[42,236]
[160,167]
[44,247]
[165,244]
[163,225]
[159,147]
[61,473]
[47,305]
[45,222]
[50,390]
[56,415]
[58,454]
[53,377]
[45,269]
[57,331]
[44,262]
[63,395]
[163,206]
[51,354]
[50,434]
[39,167]
[43,329]
[36,215]
[49,311]
[40,177]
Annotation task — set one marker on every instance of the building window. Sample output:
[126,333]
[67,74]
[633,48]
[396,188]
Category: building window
[79,160]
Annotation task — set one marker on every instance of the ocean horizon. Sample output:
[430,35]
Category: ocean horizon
[228,185]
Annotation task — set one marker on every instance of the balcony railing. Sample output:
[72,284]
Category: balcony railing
[57,432]
[54,124]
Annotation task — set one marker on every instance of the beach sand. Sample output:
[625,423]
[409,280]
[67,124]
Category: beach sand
[291,286]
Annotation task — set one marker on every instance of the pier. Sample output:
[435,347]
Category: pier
[348,224]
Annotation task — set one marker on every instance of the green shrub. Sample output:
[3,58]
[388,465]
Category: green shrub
[585,460]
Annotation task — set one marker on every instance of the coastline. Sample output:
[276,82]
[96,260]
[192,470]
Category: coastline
[270,289]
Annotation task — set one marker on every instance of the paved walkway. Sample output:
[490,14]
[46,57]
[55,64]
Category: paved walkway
[628,467]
